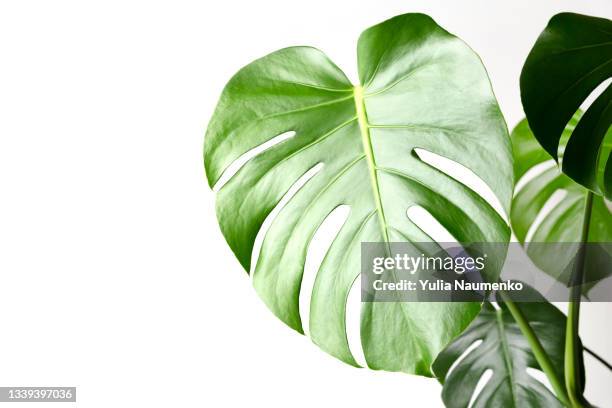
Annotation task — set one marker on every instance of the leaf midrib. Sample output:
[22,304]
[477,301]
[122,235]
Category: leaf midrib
[364,128]
[506,353]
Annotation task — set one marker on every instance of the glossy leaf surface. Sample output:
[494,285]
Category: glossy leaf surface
[420,88]
[570,59]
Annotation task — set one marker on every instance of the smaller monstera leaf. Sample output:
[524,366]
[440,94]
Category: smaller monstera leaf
[503,349]
[571,58]
[565,221]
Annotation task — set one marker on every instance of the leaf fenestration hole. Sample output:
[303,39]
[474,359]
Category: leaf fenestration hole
[586,104]
[274,213]
[463,175]
[595,94]
[532,173]
[436,231]
[541,377]
[482,382]
[463,355]
[237,164]
[319,245]
[550,204]
[430,225]
[353,323]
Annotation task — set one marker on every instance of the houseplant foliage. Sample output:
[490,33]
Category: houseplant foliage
[572,56]
[503,349]
[576,216]
[565,222]
[570,59]
[419,88]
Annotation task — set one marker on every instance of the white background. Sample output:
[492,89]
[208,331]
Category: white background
[114,275]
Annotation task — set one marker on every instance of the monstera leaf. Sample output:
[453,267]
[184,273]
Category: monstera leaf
[569,60]
[564,222]
[503,349]
[420,88]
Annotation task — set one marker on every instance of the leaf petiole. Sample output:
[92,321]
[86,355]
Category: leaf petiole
[537,349]
[573,353]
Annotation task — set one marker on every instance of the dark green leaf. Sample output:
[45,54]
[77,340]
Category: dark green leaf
[572,56]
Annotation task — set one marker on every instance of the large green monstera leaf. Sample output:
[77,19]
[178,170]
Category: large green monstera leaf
[571,58]
[494,342]
[420,88]
[564,221]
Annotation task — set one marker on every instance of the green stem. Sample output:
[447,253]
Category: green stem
[537,349]
[573,352]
